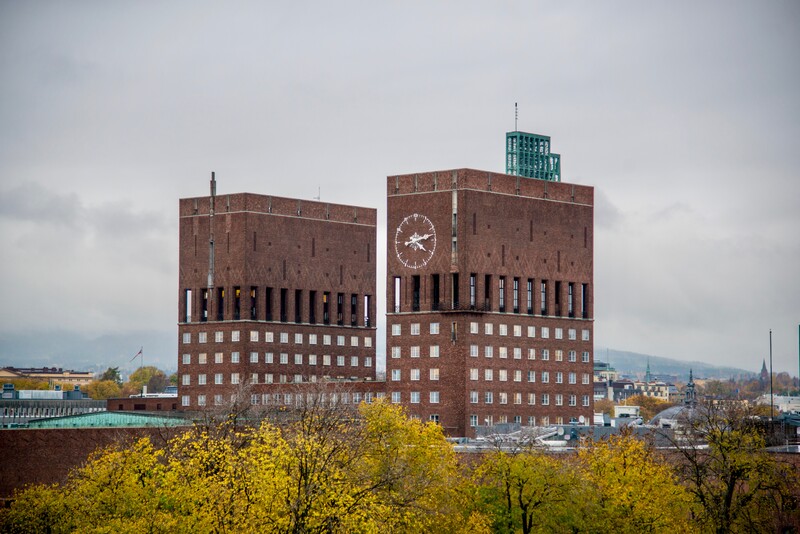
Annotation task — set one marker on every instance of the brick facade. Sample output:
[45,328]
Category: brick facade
[478,354]
[287,296]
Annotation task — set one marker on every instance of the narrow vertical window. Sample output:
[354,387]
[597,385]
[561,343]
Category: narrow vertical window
[435,296]
[283,304]
[312,307]
[530,296]
[220,304]
[558,299]
[367,317]
[187,305]
[570,297]
[543,302]
[326,308]
[472,288]
[353,310]
[584,309]
[298,305]
[253,303]
[204,311]
[396,294]
[237,303]
[455,302]
[415,283]
[268,304]
[487,292]
[501,296]
[515,295]
[340,309]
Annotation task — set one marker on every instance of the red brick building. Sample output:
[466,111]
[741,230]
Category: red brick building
[489,299]
[273,291]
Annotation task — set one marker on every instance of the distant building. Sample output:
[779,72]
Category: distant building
[53,375]
[20,407]
[489,299]
[274,293]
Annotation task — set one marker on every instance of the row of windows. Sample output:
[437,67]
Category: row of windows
[502,330]
[544,376]
[218,379]
[275,305]
[502,353]
[283,358]
[288,399]
[517,398]
[503,419]
[269,337]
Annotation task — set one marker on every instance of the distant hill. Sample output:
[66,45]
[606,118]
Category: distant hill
[635,364]
[84,353]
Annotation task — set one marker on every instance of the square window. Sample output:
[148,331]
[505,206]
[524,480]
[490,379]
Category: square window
[395,397]
[415,397]
[573,357]
[488,375]
[218,378]
[473,328]
[353,361]
[396,375]
[368,342]
[187,359]
[559,377]
[545,401]
[396,329]
[367,361]
[573,378]
[326,339]
[517,353]
[572,334]
[186,380]
[201,380]
[473,373]
[267,357]
[268,378]
[201,358]
[503,398]
[488,397]
[414,329]
[559,355]
[585,400]
[559,399]
[414,374]
[269,337]
[546,355]
[531,354]
[473,397]
[434,351]
[340,341]
[434,373]
[201,337]
[473,351]
[503,352]
[488,329]
[488,351]
[585,334]
[517,330]
[234,357]
[503,330]
[532,398]
[298,339]
[326,359]
[298,359]
[585,357]
[434,397]
[235,336]
[502,375]
[531,376]
[253,357]
[353,341]
[434,328]
[217,357]
[531,331]
[559,333]
[414,352]
[545,377]
[254,378]
[517,375]
[284,358]
[234,378]
[312,359]
[340,361]
[187,337]
[312,339]
[217,400]
[253,335]
[219,337]
[396,352]
[284,337]
[545,331]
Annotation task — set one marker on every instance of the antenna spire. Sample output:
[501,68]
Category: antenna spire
[516,116]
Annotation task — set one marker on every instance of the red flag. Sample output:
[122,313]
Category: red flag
[138,353]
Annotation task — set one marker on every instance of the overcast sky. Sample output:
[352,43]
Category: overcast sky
[684,116]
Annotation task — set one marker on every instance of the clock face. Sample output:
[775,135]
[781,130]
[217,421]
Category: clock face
[415,241]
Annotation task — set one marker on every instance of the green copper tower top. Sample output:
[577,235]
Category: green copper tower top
[529,155]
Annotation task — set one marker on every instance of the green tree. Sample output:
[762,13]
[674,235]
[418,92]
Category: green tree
[112,373]
[154,378]
[649,407]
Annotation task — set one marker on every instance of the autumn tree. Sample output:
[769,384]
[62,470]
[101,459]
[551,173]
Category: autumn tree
[103,389]
[634,490]
[738,486]
[154,378]
[112,373]
[649,407]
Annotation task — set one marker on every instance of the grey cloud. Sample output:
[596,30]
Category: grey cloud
[33,202]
